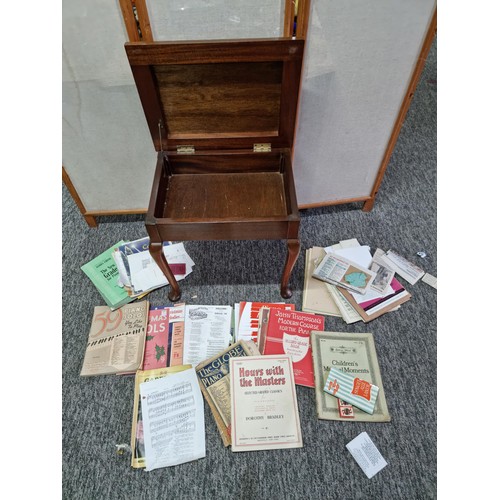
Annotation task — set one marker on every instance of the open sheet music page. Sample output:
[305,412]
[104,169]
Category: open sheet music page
[207,331]
[174,420]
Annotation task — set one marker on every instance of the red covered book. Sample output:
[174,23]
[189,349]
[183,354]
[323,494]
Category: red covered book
[288,332]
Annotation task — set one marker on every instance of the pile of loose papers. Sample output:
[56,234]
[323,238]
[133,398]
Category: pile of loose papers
[351,283]
[140,274]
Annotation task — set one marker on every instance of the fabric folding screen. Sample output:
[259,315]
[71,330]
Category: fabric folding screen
[358,63]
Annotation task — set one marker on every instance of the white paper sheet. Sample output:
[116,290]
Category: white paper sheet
[353,242]
[176,254]
[236,316]
[430,280]
[207,331]
[144,271]
[359,255]
[366,454]
[173,419]
[123,280]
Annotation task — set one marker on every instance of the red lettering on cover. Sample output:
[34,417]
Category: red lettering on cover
[362,388]
[334,385]
[108,317]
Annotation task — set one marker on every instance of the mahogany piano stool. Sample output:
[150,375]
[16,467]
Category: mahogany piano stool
[222,117]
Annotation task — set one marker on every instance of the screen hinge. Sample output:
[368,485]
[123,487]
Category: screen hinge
[264,147]
[185,150]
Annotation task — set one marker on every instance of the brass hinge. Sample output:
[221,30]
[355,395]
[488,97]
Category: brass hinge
[264,147]
[185,150]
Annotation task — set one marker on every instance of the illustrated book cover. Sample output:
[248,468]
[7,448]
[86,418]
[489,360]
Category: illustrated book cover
[264,410]
[104,274]
[164,337]
[288,332]
[352,353]
[116,340]
[248,318]
[137,435]
[344,273]
[213,375]
[354,390]
[157,341]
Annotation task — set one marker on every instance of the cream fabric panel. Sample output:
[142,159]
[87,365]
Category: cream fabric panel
[215,19]
[106,146]
[360,56]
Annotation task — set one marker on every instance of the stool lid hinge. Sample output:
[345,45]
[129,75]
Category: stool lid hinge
[264,147]
[186,150]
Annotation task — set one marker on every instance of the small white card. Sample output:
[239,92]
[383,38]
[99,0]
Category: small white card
[430,280]
[366,454]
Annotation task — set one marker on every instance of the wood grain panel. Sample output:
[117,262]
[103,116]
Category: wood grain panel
[303,19]
[208,110]
[225,163]
[289,17]
[206,51]
[218,196]
[225,230]
[211,99]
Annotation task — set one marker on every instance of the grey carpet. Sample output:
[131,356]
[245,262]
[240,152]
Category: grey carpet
[96,412]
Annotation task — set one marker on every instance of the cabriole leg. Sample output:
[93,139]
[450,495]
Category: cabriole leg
[156,251]
[293,253]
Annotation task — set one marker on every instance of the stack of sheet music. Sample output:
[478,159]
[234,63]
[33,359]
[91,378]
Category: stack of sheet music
[347,281]
[139,274]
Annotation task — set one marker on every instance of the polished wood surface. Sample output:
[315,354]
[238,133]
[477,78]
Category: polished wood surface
[144,27]
[208,51]
[212,99]
[216,196]
[224,196]
[293,246]
[156,251]
[226,162]
[289,17]
[129,20]
[219,95]
[303,18]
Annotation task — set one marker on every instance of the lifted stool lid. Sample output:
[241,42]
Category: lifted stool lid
[218,94]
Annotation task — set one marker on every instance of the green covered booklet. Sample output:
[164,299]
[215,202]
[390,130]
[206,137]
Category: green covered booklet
[103,273]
